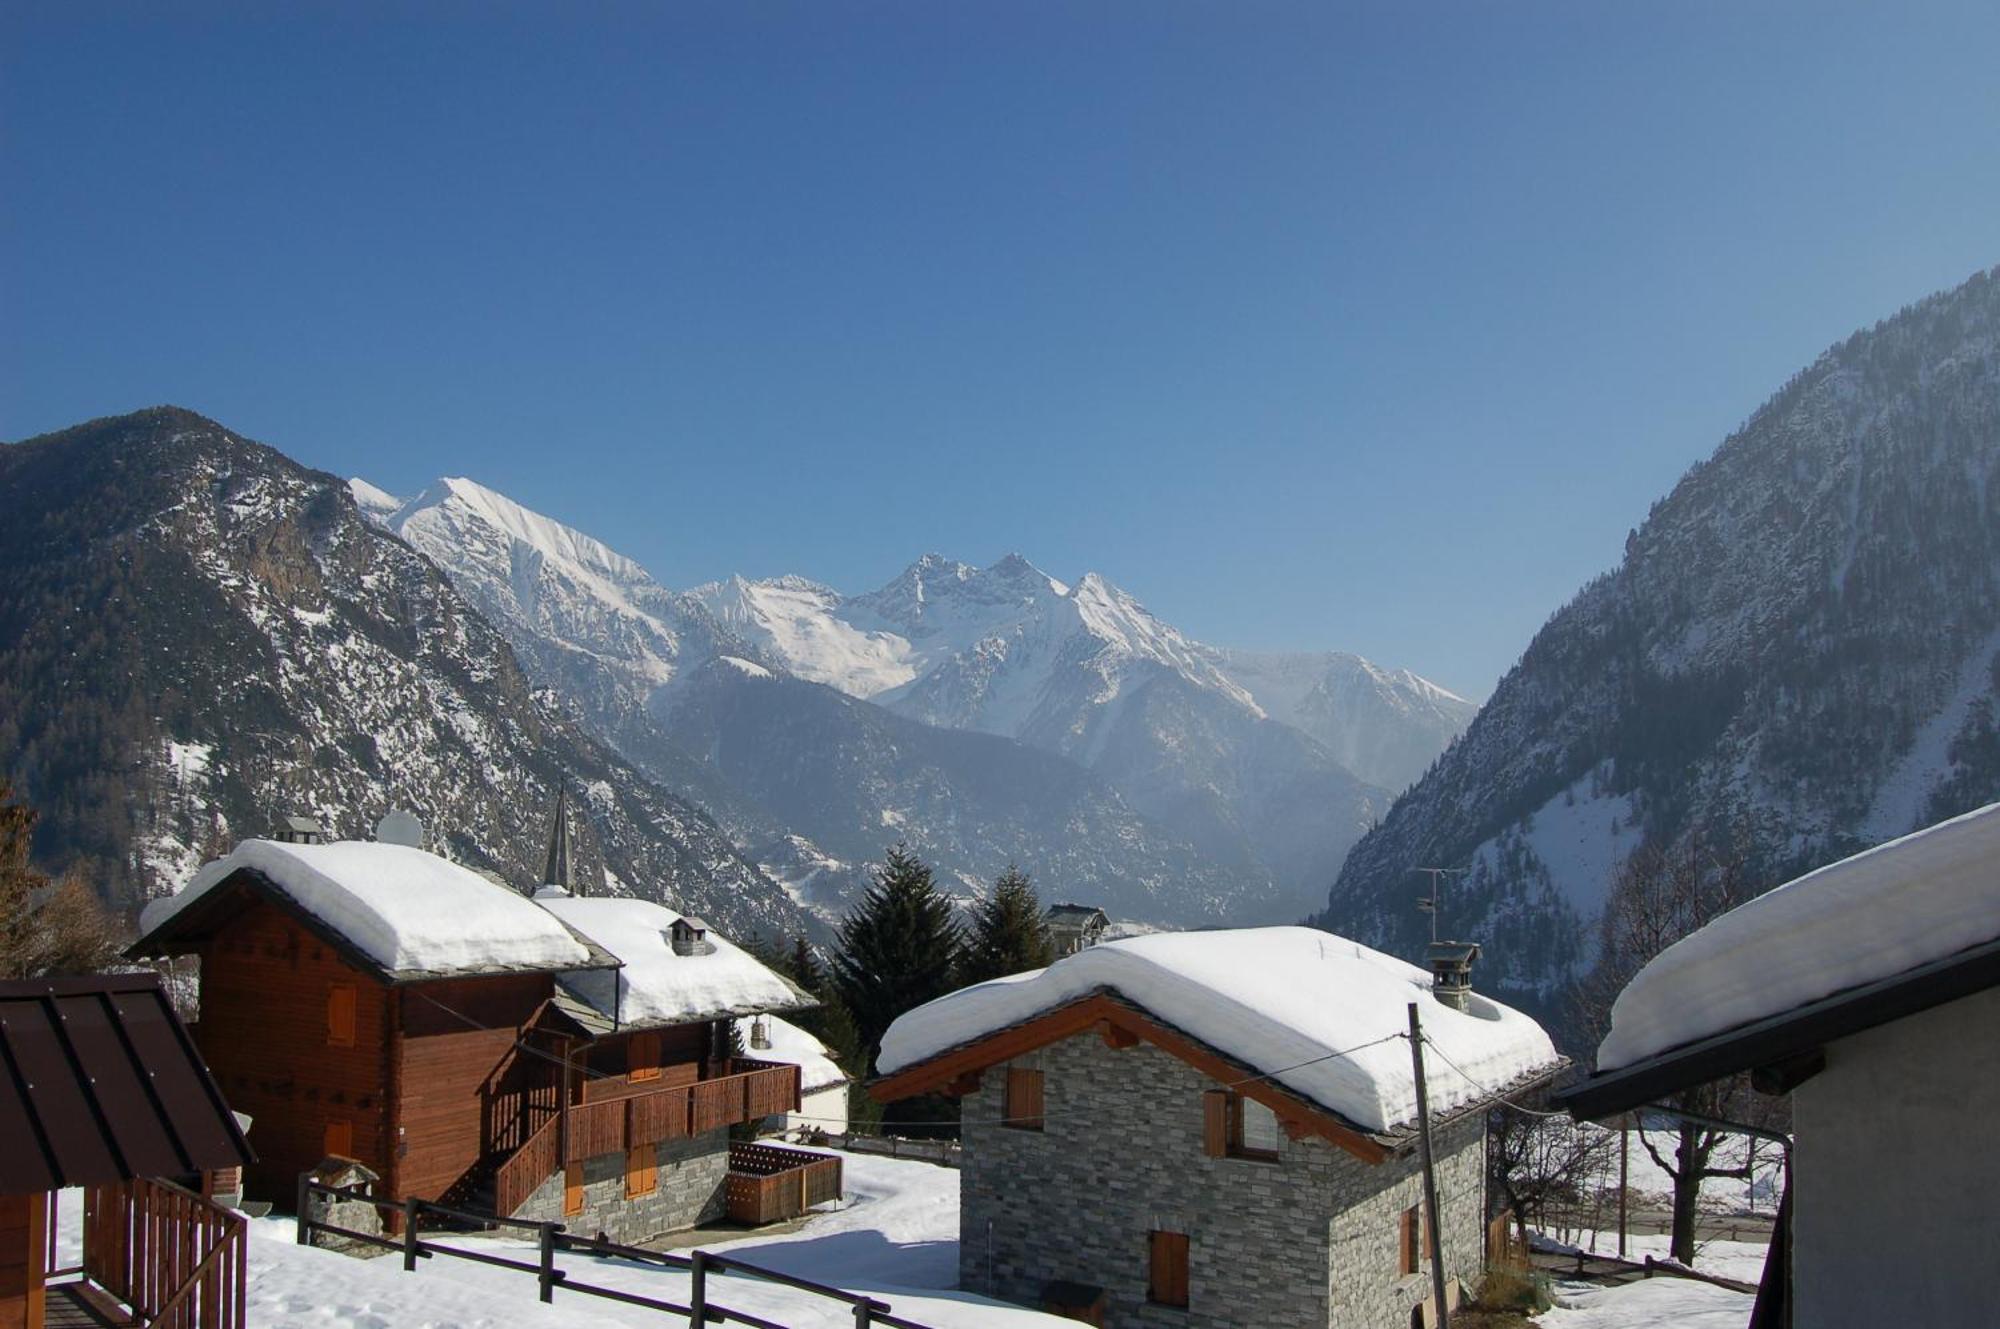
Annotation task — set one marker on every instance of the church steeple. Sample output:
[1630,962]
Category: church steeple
[560,870]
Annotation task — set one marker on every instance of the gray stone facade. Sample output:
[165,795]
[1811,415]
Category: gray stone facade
[1310,1239]
[688,1190]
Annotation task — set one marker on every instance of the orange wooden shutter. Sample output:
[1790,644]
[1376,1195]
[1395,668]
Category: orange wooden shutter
[1407,1239]
[1167,1276]
[642,1170]
[1215,1122]
[572,1189]
[339,1139]
[642,1057]
[340,1015]
[1024,1098]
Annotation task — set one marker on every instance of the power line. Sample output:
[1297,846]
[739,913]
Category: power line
[1491,1093]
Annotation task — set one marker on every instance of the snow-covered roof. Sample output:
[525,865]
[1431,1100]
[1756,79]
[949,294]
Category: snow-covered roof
[817,1069]
[654,985]
[1282,1001]
[411,912]
[1863,919]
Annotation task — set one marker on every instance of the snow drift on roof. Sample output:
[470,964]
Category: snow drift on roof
[405,909]
[817,1069]
[1273,999]
[656,986]
[1869,917]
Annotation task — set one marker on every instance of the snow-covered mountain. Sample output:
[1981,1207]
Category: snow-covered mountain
[1083,672]
[1800,655]
[198,636]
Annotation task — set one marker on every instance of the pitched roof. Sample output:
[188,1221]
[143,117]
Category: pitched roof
[1323,1017]
[405,913]
[1883,934]
[655,986]
[99,1082]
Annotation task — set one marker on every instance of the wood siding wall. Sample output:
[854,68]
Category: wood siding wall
[263,1033]
[462,1081]
[20,1257]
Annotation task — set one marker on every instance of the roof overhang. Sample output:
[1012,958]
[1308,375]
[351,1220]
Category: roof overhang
[1121,1025]
[191,927]
[1787,1036]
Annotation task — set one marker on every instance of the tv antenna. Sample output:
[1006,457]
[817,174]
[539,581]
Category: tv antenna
[1430,903]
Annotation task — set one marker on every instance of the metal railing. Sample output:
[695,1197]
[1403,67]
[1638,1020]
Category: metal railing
[552,1239]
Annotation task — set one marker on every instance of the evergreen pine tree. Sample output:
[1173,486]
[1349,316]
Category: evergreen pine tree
[1009,935]
[898,948]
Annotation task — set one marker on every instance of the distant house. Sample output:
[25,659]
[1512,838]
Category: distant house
[561,1057]
[1870,992]
[822,1084]
[1215,1128]
[1072,927]
[101,1088]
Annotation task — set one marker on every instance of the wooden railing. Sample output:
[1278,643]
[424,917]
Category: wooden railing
[768,1183]
[627,1117]
[551,1240]
[176,1259]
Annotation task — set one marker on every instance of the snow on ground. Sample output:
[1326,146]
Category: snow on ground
[1879,913]
[1718,1257]
[404,908]
[1654,1303]
[1323,1016]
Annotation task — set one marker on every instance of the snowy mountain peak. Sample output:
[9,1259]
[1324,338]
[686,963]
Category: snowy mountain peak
[544,535]
[376,504]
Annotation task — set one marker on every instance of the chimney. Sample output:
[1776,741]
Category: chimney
[298,829]
[1451,972]
[689,936]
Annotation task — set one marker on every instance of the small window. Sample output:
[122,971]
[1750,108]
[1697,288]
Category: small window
[338,1142]
[1167,1274]
[1409,1241]
[572,1189]
[1023,1110]
[340,1015]
[1253,1129]
[642,1056]
[642,1171]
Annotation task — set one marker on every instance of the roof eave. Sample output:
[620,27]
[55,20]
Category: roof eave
[1788,1034]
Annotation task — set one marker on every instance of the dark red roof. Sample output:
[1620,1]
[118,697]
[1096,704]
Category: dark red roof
[99,1082]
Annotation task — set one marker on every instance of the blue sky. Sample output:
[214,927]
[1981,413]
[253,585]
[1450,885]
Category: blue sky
[1360,326]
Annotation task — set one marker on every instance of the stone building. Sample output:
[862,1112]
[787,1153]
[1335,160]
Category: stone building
[1869,992]
[1073,927]
[1216,1129]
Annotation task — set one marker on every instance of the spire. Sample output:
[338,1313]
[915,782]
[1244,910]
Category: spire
[558,871]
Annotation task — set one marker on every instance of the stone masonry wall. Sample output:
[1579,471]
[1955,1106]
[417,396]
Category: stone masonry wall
[1307,1240]
[688,1191]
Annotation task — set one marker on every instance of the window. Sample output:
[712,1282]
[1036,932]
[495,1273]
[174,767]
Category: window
[1409,1241]
[642,1056]
[1023,1109]
[338,1142]
[572,1189]
[1167,1272]
[1237,1127]
[642,1171]
[340,1015]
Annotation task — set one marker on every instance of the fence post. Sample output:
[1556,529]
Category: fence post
[698,1290]
[549,1261]
[305,1198]
[864,1313]
[410,1235]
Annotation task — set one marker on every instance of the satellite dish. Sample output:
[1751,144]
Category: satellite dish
[400,827]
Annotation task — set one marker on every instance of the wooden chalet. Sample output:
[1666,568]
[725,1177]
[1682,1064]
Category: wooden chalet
[101,1088]
[376,1002]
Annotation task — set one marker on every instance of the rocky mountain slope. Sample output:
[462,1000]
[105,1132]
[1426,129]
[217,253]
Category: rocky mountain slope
[1800,653]
[198,635]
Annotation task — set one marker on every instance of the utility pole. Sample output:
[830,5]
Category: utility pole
[1624,1175]
[1430,1173]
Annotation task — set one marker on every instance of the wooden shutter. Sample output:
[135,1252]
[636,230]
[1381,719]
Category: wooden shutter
[339,1139]
[642,1171]
[1408,1239]
[1023,1108]
[572,1189]
[1215,1123]
[1167,1274]
[340,1015]
[642,1056]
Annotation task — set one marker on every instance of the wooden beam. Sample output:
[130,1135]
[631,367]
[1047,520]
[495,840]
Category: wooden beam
[1116,1036]
[967,1083]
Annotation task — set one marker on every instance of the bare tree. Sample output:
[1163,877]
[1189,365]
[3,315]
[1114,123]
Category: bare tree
[45,927]
[1660,895]
[1537,1165]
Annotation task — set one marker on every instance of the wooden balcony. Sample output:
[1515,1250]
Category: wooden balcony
[618,1115]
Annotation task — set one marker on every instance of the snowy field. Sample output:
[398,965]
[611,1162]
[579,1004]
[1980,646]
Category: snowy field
[895,1238]
[1656,1303]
